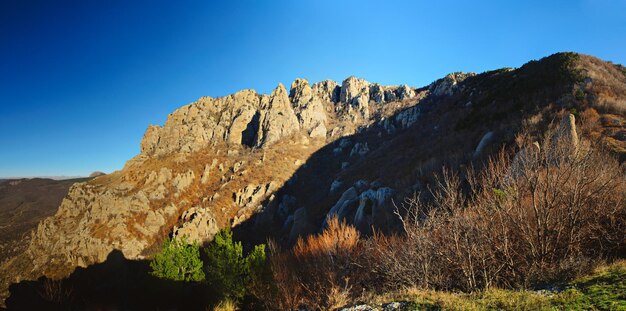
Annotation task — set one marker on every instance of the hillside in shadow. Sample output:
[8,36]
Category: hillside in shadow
[116,284]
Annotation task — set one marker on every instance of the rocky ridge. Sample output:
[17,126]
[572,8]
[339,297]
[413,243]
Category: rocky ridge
[280,164]
[180,182]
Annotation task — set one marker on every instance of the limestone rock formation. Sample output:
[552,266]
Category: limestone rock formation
[405,92]
[449,84]
[566,135]
[277,117]
[365,205]
[309,108]
[353,87]
[327,90]
[211,165]
[198,225]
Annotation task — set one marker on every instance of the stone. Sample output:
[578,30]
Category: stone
[372,209]
[198,225]
[353,87]
[405,92]
[344,205]
[336,184]
[360,149]
[377,93]
[182,181]
[301,224]
[327,90]
[252,194]
[407,117]
[308,108]
[566,135]
[319,131]
[484,142]
[150,139]
[277,118]
[449,84]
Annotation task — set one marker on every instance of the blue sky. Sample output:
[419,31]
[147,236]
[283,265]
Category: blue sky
[81,80]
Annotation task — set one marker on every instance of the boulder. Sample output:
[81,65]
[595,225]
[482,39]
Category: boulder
[484,142]
[301,225]
[184,180]
[566,136]
[360,149]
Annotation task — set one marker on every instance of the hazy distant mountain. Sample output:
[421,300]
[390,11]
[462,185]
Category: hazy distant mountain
[23,203]
[277,165]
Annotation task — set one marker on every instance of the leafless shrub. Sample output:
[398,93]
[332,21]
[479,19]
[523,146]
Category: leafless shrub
[546,216]
[317,272]
[55,291]
[545,219]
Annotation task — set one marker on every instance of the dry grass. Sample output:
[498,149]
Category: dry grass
[318,272]
[226,305]
[544,219]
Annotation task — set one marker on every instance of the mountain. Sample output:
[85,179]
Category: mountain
[23,203]
[277,165]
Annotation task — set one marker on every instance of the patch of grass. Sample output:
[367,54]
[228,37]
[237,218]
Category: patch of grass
[605,289]
[226,305]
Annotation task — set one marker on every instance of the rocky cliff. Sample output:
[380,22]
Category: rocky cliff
[279,164]
[212,164]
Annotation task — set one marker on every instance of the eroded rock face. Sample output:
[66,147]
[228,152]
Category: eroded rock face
[252,194]
[365,205]
[449,84]
[186,180]
[207,121]
[405,92]
[198,225]
[277,117]
[92,221]
[327,90]
[353,87]
[254,120]
[566,135]
[309,108]
[484,142]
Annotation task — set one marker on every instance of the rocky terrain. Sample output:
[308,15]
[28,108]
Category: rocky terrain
[277,165]
[23,203]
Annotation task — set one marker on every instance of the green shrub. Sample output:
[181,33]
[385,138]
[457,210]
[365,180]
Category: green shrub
[227,270]
[178,261]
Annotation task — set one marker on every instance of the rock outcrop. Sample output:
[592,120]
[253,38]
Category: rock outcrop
[365,205]
[309,108]
[213,164]
[198,225]
[449,84]
[277,117]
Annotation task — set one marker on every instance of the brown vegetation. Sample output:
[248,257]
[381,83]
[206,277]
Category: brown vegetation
[539,220]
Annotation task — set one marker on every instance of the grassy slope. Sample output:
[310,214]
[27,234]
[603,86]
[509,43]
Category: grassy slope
[604,289]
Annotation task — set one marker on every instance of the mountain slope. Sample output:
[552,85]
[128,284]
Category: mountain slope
[23,203]
[276,165]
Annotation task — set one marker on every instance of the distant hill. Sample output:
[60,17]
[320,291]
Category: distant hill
[23,203]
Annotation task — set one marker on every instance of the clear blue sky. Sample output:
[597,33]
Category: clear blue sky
[81,80]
